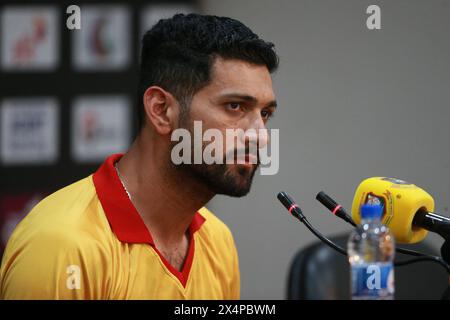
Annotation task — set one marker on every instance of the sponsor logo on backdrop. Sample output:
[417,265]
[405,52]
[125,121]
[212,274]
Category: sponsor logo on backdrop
[100,126]
[103,43]
[29,38]
[29,131]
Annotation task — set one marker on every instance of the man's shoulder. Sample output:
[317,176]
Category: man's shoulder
[67,205]
[68,215]
[72,197]
[63,233]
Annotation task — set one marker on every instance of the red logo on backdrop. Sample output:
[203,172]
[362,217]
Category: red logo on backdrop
[25,47]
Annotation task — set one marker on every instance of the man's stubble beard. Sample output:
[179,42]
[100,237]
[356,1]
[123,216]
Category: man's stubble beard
[219,178]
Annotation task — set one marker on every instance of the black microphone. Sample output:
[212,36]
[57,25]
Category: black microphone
[334,207]
[433,222]
[295,210]
[290,205]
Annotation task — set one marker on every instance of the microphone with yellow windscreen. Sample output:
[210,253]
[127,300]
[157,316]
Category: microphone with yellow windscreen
[408,209]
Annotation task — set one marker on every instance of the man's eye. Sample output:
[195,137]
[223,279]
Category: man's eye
[234,105]
[266,114]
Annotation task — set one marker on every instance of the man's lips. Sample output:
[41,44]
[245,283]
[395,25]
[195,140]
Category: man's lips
[250,161]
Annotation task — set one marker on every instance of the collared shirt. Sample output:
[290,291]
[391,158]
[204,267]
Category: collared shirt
[87,241]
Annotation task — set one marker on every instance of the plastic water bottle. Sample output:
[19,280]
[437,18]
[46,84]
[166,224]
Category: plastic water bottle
[371,251]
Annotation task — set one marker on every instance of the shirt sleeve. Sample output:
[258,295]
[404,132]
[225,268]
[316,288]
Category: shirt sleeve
[52,264]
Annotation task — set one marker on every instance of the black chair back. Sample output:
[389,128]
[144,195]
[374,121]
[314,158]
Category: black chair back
[318,272]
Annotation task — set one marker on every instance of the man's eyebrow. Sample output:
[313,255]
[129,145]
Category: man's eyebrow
[247,98]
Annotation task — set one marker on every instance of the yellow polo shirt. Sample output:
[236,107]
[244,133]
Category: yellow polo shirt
[87,241]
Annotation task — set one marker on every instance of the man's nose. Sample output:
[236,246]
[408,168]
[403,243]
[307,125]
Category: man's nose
[258,133]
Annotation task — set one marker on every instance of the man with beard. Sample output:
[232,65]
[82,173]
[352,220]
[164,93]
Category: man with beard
[137,228]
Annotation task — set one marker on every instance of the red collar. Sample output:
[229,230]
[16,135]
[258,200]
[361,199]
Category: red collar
[125,221]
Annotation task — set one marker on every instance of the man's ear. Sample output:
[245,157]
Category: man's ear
[161,109]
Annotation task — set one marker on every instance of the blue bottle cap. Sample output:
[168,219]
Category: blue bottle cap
[369,211]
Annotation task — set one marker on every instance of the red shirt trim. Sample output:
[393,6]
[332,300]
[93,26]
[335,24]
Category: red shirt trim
[126,222]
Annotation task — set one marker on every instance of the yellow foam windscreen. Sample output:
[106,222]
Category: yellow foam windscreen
[401,201]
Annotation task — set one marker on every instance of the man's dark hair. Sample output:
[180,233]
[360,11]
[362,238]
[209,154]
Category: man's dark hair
[177,53]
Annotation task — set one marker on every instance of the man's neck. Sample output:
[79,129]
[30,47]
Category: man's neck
[167,200]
